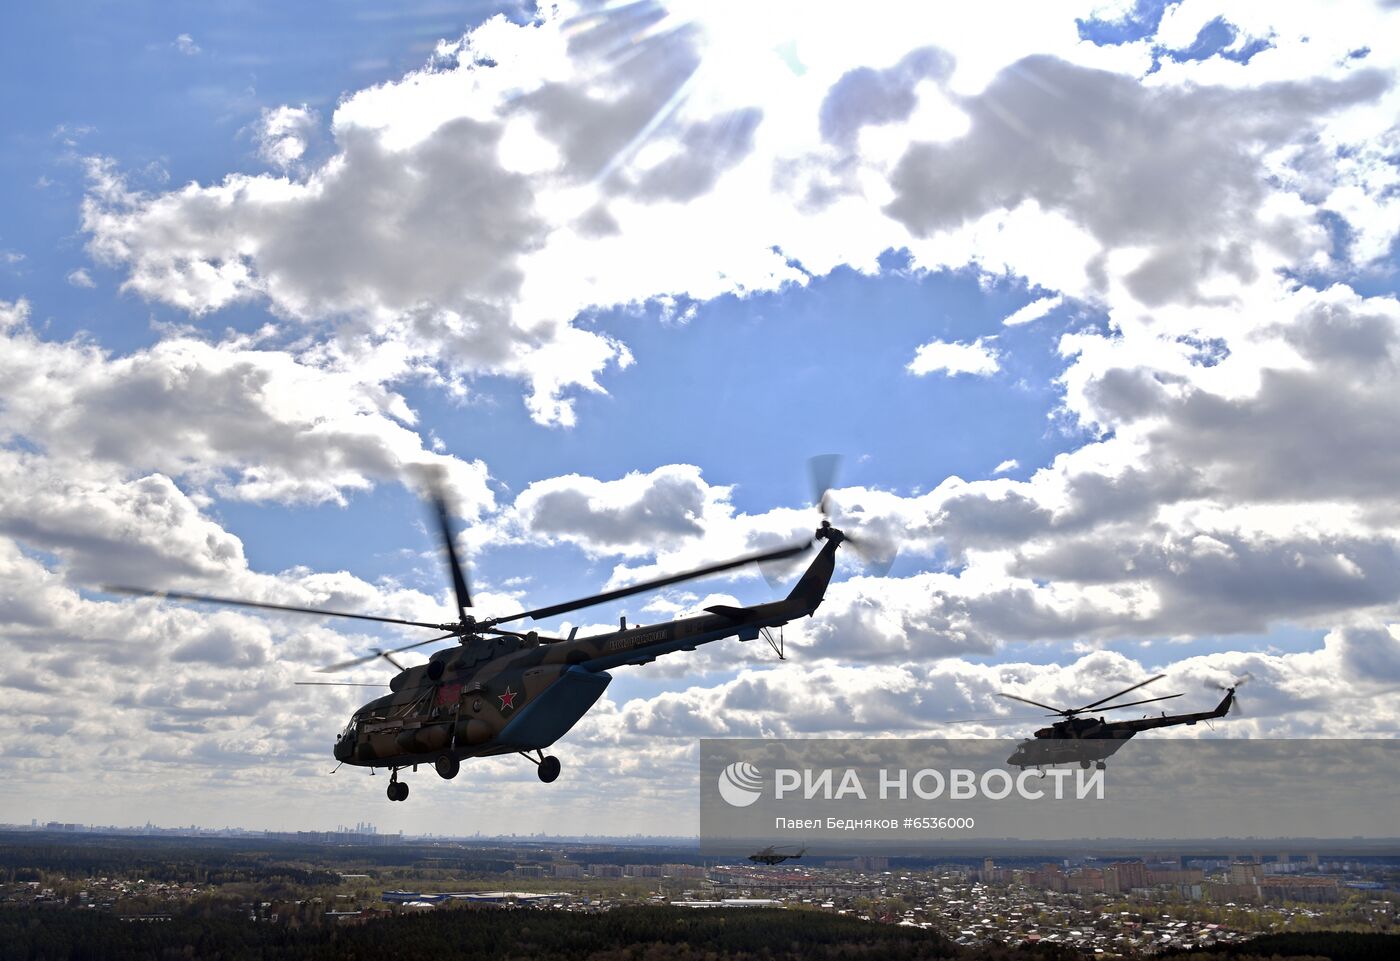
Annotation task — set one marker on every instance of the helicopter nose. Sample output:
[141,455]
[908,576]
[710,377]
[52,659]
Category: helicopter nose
[343,748]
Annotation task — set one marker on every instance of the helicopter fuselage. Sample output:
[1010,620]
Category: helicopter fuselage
[517,693]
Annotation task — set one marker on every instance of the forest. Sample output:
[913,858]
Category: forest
[24,856]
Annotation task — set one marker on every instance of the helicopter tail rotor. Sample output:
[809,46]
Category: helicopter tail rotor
[876,548]
[1236,707]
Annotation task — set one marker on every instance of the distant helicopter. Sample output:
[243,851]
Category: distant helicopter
[771,855]
[1088,740]
[507,692]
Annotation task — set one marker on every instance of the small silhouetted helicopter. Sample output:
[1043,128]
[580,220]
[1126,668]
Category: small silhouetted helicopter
[509,692]
[772,855]
[1088,741]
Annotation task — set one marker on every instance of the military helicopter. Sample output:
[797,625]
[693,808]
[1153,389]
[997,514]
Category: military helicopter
[502,691]
[771,855]
[1089,740]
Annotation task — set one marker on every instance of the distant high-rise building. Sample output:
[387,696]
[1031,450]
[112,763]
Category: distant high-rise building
[1131,874]
[1245,872]
[1112,883]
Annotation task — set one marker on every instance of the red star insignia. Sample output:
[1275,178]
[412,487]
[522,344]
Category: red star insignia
[507,699]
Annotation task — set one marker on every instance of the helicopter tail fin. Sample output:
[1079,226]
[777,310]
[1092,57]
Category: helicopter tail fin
[1227,702]
[807,594]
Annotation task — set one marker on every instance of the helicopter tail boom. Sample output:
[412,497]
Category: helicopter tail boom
[1168,720]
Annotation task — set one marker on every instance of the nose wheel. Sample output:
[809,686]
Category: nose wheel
[398,790]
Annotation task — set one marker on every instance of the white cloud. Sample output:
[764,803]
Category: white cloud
[975,358]
[186,45]
[1006,465]
[508,179]
[249,424]
[1023,146]
[283,134]
[81,278]
[1035,310]
[639,514]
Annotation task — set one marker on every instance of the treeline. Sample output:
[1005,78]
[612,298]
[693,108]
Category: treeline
[24,857]
[625,934]
[1333,945]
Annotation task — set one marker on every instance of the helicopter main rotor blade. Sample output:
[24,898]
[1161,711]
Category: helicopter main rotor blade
[822,470]
[1114,707]
[1004,719]
[564,608]
[261,605]
[387,655]
[459,579]
[336,684]
[1125,690]
[1026,700]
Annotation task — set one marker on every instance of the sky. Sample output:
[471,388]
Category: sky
[1098,301]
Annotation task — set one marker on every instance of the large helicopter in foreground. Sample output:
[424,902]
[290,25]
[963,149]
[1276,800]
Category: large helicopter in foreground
[501,691]
[1088,741]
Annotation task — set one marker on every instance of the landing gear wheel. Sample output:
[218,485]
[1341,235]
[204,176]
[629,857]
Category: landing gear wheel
[447,766]
[1086,764]
[398,790]
[549,769]
[1101,766]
